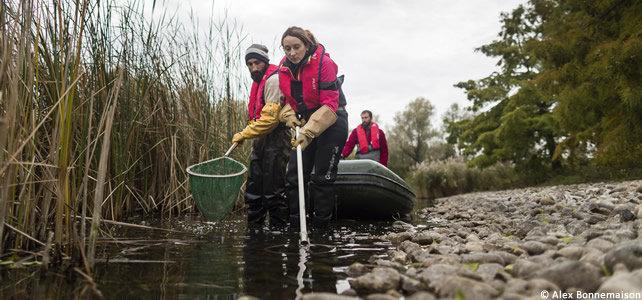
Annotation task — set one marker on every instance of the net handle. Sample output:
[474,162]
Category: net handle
[299,168]
[230,151]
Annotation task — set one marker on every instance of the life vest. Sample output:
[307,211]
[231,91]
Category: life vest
[257,102]
[308,89]
[374,137]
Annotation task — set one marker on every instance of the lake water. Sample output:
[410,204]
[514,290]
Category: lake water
[204,260]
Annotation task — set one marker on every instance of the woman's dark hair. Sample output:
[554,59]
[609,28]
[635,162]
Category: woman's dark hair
[304,35]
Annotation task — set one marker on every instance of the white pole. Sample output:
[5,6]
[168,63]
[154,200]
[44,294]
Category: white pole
[299,167]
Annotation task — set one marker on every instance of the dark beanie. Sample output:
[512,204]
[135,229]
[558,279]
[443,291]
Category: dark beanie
[257,51]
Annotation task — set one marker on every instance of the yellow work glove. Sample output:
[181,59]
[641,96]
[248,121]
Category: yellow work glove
[238,138]
[288,116]
[319,121]
[264,125]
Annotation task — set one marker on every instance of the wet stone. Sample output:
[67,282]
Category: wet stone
[326,296]
[572,274]
[489,271]
[410,285]
[524,268]
[480,257]
[427,238]
[534,247]
[600,244]
[356,269]
[593,256]
[631,282]
[469,288]
[629,254]
[530,288]
[571,252]
[379,280]
[421,296]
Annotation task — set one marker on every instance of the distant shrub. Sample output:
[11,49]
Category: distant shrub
[452,176]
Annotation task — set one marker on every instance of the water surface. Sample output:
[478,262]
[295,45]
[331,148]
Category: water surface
[205,260]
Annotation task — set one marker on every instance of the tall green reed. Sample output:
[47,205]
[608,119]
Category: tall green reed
[177,97]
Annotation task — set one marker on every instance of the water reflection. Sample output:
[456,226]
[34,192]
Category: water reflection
[210,261]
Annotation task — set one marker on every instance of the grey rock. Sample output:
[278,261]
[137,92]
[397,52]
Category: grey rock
[438,272]
[419,255]
[427,237]
[421,296]
[522,229]
[572,274]
[380,297]
[489,271]
[356,269]
[595,218]
[597,209]
[472,238]
[628,253]
[474,247]
[524,268]
[389,264]
[593,256]
[380,280]
[548,200]
[441,259]
[507,257]
[626,234]
[398,237]
[590,234]
[411,285]
[626,216]
[350,293]
[600,244]
[409,246]
[397,256]
[630,282]
[606,204]
[577,227]
[469,288]
[326,296]
[402,225]
[480,257]
[571,252]
[530,288]
[534,247]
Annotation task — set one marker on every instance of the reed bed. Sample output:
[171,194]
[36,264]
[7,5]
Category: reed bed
[102,111]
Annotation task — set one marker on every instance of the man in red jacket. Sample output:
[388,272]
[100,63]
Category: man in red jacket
[370,140]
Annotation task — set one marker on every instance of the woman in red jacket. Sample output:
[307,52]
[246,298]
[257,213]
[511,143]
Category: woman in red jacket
[308,79]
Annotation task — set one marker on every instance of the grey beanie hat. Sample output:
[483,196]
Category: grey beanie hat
[257,51]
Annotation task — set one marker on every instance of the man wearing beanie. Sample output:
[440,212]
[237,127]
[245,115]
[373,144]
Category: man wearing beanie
[265,188]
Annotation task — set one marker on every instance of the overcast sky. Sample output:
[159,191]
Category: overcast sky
[391,52]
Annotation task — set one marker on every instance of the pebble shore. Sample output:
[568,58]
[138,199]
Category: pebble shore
[582,241]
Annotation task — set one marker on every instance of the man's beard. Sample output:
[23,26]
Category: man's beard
[365,124]
[257,76]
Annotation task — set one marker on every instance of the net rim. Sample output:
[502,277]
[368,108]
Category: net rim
[190,172]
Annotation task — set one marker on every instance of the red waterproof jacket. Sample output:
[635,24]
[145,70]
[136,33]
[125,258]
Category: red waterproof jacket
[305,89]
[256,103]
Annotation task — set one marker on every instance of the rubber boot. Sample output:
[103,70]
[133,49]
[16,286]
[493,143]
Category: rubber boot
[320,222]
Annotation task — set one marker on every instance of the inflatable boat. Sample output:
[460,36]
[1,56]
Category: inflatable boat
[367,189]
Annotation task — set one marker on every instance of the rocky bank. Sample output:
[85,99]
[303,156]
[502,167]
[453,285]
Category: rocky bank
[532,243]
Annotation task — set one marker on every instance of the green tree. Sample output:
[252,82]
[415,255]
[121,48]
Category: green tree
[513,123]
[591,69]
[568,88]
[412,135]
